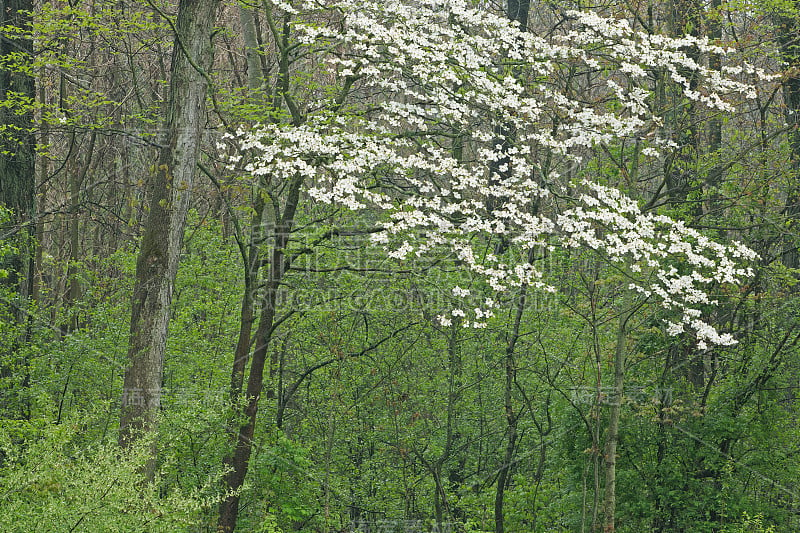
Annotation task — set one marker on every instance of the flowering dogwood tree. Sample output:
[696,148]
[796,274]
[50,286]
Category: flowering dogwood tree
[423,72]
[452,123]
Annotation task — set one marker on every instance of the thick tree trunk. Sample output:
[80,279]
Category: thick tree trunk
[255,80]
[17,181]
[17,140]
[168,200]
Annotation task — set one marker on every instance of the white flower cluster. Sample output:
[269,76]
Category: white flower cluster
[427,70]
[644,243]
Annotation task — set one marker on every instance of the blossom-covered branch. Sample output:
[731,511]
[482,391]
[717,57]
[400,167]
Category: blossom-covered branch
[427,74]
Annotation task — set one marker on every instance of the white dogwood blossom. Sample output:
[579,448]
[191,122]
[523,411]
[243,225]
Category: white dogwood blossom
[427,71]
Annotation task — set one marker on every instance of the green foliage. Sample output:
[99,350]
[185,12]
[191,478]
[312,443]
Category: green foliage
[53,480]
[395,418]
[7,248]
[750,524]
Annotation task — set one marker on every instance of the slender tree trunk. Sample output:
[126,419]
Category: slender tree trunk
[715,174]
[436,467]
[788,31]
[238,461]
[252,265]
[684,18]
[612,433]
[168,201]
[249,252]
[512,418]
[77,179]
[250,255]
[517,11]
[505,132]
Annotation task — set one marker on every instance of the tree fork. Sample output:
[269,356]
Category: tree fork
[238,461]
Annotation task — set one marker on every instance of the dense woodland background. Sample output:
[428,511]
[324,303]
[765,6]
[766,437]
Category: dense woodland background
[374,416]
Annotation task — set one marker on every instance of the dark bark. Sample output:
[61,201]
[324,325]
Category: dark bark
[17,180]
[505,133]
[788,32]
[279,262]
[168,200]
[238,461]
[252,265]
[512,417]
[684,18]
[715,174]
[17,140]
[517,11]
